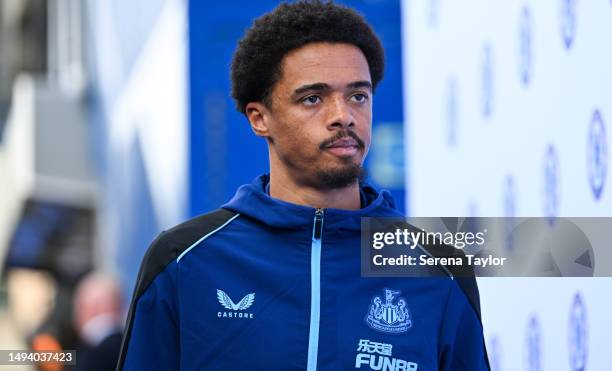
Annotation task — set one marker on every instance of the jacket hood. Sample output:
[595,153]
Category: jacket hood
[253,201]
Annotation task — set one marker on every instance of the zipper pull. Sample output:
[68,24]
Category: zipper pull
[318,224]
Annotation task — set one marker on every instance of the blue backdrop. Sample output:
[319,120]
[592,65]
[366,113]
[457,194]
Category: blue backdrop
[224,151]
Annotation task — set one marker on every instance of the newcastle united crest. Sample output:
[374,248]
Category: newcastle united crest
[387,316]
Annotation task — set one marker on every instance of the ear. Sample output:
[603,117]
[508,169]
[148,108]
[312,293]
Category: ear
[258,115]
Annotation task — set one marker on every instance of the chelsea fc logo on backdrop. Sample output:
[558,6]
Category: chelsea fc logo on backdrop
[494,353]
[551,183]
[487,80]
[525,48]
[534,352]
[391,316]
[578,334]
[509,200]
[452,112]
[597,155]
[568,21]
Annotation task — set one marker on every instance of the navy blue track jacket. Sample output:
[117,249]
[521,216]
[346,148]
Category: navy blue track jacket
[262,284]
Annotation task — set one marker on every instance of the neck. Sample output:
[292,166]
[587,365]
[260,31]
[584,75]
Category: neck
[285,188]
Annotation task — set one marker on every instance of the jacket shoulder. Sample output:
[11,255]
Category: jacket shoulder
[167,247]
[170,244]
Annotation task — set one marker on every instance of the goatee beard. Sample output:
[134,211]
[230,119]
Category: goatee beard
[341,177]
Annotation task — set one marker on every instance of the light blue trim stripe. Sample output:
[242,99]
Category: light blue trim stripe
[315,299]
[205,237]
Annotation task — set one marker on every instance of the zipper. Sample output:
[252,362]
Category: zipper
[315,290]
[318,224]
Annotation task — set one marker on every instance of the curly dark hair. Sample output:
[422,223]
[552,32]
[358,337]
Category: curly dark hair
[257,59]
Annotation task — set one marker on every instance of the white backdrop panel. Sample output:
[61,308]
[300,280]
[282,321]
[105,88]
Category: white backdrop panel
[507,106]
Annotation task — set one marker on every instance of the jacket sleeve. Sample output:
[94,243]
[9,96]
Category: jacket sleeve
[461,345]
[151,338]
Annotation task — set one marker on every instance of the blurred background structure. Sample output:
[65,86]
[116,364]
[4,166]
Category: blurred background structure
[116,123]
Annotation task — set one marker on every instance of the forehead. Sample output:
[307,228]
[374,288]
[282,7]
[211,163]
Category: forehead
[336,64]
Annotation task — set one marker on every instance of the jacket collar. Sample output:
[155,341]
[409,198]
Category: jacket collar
[253,201]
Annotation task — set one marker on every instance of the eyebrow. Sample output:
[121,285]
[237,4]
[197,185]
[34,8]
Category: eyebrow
[323,87]
[360,84]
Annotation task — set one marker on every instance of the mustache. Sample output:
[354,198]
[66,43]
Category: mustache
[339,135]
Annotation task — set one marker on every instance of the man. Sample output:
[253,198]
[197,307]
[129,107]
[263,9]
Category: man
[97,312]
[271,281]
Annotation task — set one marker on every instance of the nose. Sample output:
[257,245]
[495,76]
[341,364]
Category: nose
[341,116]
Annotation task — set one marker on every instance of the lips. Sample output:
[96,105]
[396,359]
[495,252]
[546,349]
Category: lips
[344,147]
[344,143]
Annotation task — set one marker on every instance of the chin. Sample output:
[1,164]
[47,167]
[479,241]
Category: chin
[339,177]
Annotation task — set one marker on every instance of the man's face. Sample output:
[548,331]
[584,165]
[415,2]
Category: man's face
[320,117]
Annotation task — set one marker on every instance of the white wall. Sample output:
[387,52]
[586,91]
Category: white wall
[490,87]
